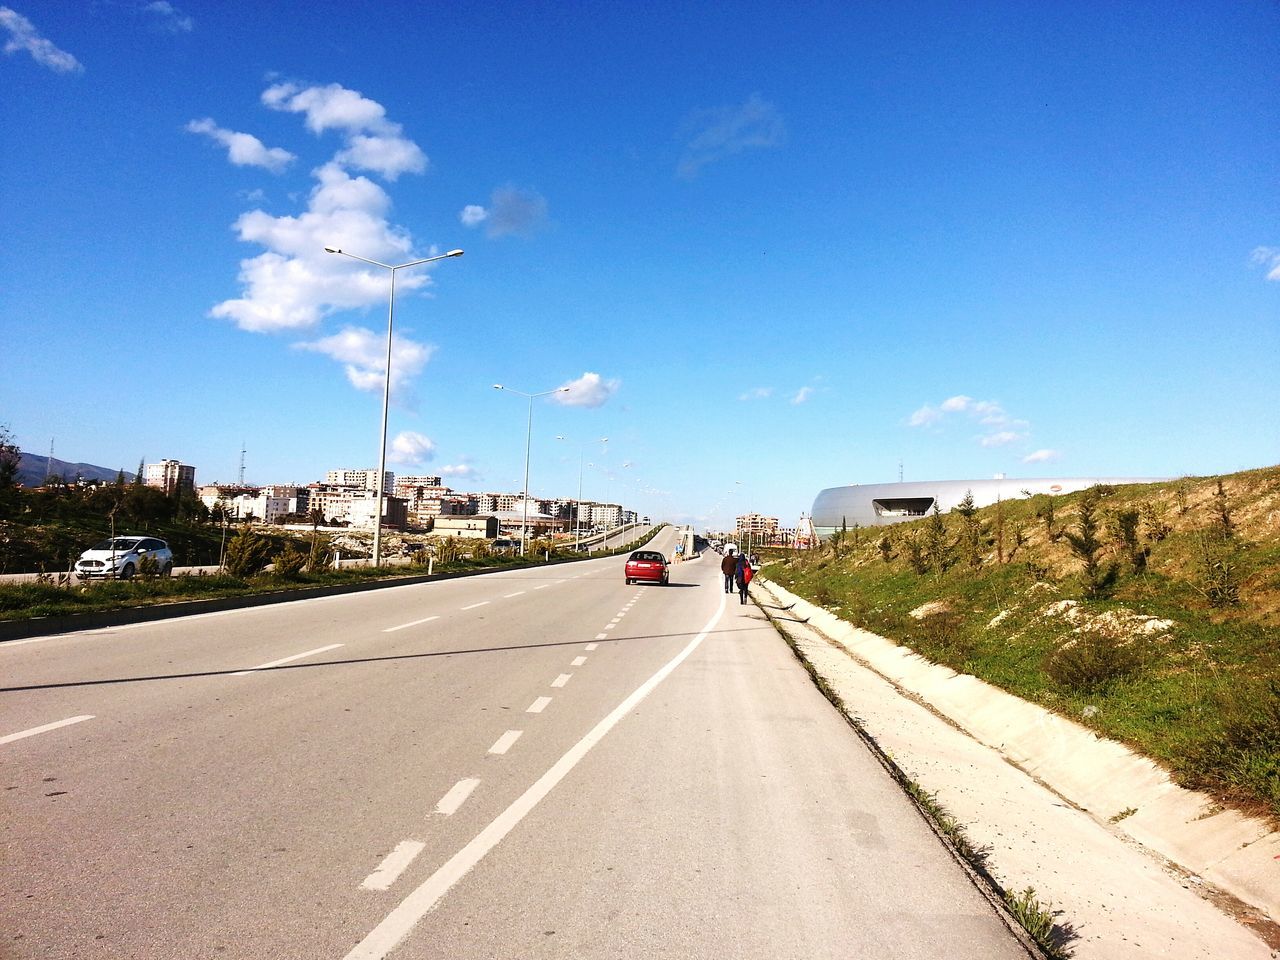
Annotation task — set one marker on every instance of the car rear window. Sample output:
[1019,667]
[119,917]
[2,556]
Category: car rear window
[648,555]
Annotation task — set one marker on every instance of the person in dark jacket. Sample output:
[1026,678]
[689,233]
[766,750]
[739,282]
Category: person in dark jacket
[742,576]
[727,566]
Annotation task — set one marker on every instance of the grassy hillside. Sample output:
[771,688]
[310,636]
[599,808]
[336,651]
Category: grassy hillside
[1149,613]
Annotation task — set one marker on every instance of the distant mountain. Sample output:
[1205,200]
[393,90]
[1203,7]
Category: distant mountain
[33,468]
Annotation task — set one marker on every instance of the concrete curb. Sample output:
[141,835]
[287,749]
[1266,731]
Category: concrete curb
[1239,854]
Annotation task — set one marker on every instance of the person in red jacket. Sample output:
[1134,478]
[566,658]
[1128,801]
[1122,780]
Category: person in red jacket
[742,575]
[727,566]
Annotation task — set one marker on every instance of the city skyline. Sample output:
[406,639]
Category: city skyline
[766,253]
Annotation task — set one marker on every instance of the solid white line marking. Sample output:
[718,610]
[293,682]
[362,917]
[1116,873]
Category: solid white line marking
[505,741]
[276,663]
[456,797]
[592,646]
[538,705]
[474,605]
[405,626]
[578,661]
[561,680]
[510,595]
[542,586]
[393,865]
[45,728]
[383,938]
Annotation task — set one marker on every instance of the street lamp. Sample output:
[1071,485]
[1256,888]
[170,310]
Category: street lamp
[528,439]
[386,389]
[577,513]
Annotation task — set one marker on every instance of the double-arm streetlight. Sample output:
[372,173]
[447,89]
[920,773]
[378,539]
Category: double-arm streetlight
[577,513]
[528,439]
[380,492]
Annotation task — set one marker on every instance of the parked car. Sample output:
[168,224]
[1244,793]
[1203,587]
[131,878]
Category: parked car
[122,557]
[647,565]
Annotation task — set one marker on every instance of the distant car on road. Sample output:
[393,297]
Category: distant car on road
[648,565]
[122,557]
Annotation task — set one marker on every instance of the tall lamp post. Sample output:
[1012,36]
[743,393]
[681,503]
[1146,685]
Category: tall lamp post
[379,491]
[528,440]
[577,513]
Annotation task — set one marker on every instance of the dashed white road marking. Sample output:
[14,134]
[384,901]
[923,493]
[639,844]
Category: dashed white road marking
[610,626]
[542,586]
[44,728]
[405,626]
[538,705]
[505,741]
[393,865]
[561,680]
[592,646]
[284,660]
[578,661]
[510,595]
[397,924]
[457,796]
[601,636]
[474,605]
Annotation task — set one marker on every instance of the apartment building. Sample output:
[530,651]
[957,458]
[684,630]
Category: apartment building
[759,528]
[360,479]
[170,476]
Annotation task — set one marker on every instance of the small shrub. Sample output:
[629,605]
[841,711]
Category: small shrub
[1092,662]
[290,562]
[1155,526]
[320,556]
[247,553]
[885,546]
[1219,579]
[1036,917]
[1223,523]
[1086,546]
[148,567]
[915,553]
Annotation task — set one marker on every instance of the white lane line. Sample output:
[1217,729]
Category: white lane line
[538,705]
[600,636]
[474,605]
[578,661]
[44,728]
[510,595]
[457,796]
[542,586]
[405,626]
[610,626]
[384,938]
[505,741]
[592,646]
[283,660]
[393,865]
[561,680]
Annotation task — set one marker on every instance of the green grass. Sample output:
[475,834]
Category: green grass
[1203,699]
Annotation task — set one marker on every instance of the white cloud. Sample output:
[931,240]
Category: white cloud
[243,149]
[24,36]
[374,143]
[716,134]
[363,355]
[1269,257]
[409,447]
[472,215]
[461,471]
[1042,456]
[803,394]
[1000,428]
[925,416]
[589,390]
[170,17]
[757,393]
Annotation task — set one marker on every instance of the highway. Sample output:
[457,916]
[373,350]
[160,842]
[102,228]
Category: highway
[538,763]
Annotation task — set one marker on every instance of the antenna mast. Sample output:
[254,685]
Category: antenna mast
[241,482]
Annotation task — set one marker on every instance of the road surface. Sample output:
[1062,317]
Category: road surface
[539,763]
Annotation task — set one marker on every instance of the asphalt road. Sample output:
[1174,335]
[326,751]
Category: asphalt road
[540,763]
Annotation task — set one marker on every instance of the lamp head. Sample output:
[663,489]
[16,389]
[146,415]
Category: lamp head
[332,250]
[497,386]
[454,253]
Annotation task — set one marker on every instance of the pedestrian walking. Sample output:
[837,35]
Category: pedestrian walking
[742,576]
[728,566]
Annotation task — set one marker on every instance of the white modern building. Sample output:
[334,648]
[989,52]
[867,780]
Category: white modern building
[880,504]
[360,479]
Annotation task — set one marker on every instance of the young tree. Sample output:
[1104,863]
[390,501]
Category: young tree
[10,457]
[1223,524]
[1086,546]
[970,530]
[936,550]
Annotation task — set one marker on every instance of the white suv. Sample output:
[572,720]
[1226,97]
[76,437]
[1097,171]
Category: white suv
[122,557]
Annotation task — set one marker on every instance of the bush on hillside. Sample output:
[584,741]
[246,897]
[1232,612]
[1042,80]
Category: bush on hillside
[1093,662]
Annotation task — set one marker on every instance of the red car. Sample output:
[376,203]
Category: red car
[647,565]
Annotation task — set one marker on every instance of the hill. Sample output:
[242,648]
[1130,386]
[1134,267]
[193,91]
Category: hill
[33,469]
[1148,612]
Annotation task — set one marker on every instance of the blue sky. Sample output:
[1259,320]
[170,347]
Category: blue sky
[771,247]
